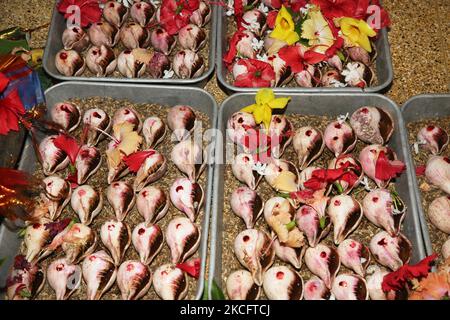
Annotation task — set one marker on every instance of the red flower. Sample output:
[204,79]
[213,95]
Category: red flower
[69,145]
[295,5]
[386,169]
[398,279]
[4,81]
[135,160]
[191,267]
[238,7]
[271,17]
[259,74]
[232,50]
[302,195]
[321,177]
[296,59]
[11,110]
[175,14]
[420,170]
[90,11]
[336,8]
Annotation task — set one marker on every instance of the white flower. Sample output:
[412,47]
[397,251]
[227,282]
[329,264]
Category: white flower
[126,3]
[342,117]
[365,183]
[304,10]
[417,144]
[257,44]
[262,57]
[168,74]
[332,297]
[363,260]
[230,12]
[352,73]
[337,84]
[260,168]
[253,26]
[263,8]
[155,2]
[230,7]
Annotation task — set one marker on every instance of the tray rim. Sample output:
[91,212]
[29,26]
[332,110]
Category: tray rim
[405,109]
[205,223]
[230,88]
[199,81]
[219,153]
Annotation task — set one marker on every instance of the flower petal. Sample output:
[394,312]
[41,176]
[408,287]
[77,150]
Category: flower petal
[279,103]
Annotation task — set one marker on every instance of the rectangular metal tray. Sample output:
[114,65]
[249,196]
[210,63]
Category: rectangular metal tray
[168,95]
[417,108]
[317,104]
[54,44]
[384,70]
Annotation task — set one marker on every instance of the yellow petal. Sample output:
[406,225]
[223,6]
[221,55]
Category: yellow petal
[278,33]
[267,116]
[308,31]
[258,114]
[292,37]
[366,29]
[279,103]
[113,157]
[264,96]
[130,143]
[284,14]
[364,42]
[249,109]
[285,182]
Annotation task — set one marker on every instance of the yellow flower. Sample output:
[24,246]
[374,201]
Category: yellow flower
[128,141]
[317,31]
[265,102]
[285,28]
[357,32]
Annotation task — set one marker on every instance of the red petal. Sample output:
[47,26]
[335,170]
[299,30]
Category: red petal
[293,58]
[420,170]
[398,279]
[312,57]
[4,81]
[11,178]
[271,17]
[72,178]
[135,160]
[302,195]
[232,50]
[57,226]
[191,267]
[321,177]
[10,108]
[69,145]
[386,169]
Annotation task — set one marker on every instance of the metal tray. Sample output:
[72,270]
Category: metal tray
[422,107]
[384,70]
[168,95]
[318,104]
[54,44]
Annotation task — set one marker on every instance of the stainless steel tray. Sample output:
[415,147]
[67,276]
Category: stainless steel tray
[422,107]
[54,44]
[384,70]
[168,95]
[318,104]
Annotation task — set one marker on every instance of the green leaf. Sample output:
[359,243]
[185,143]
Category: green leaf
[322,221]
[248,7]
[283,195]
[445,298]
[72,169]
[340,55]
[11,38]
[2,261]
[304,42]
[291,225]
[24,293]
[216,292]
[339,187]
[21,232]
[45,80]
